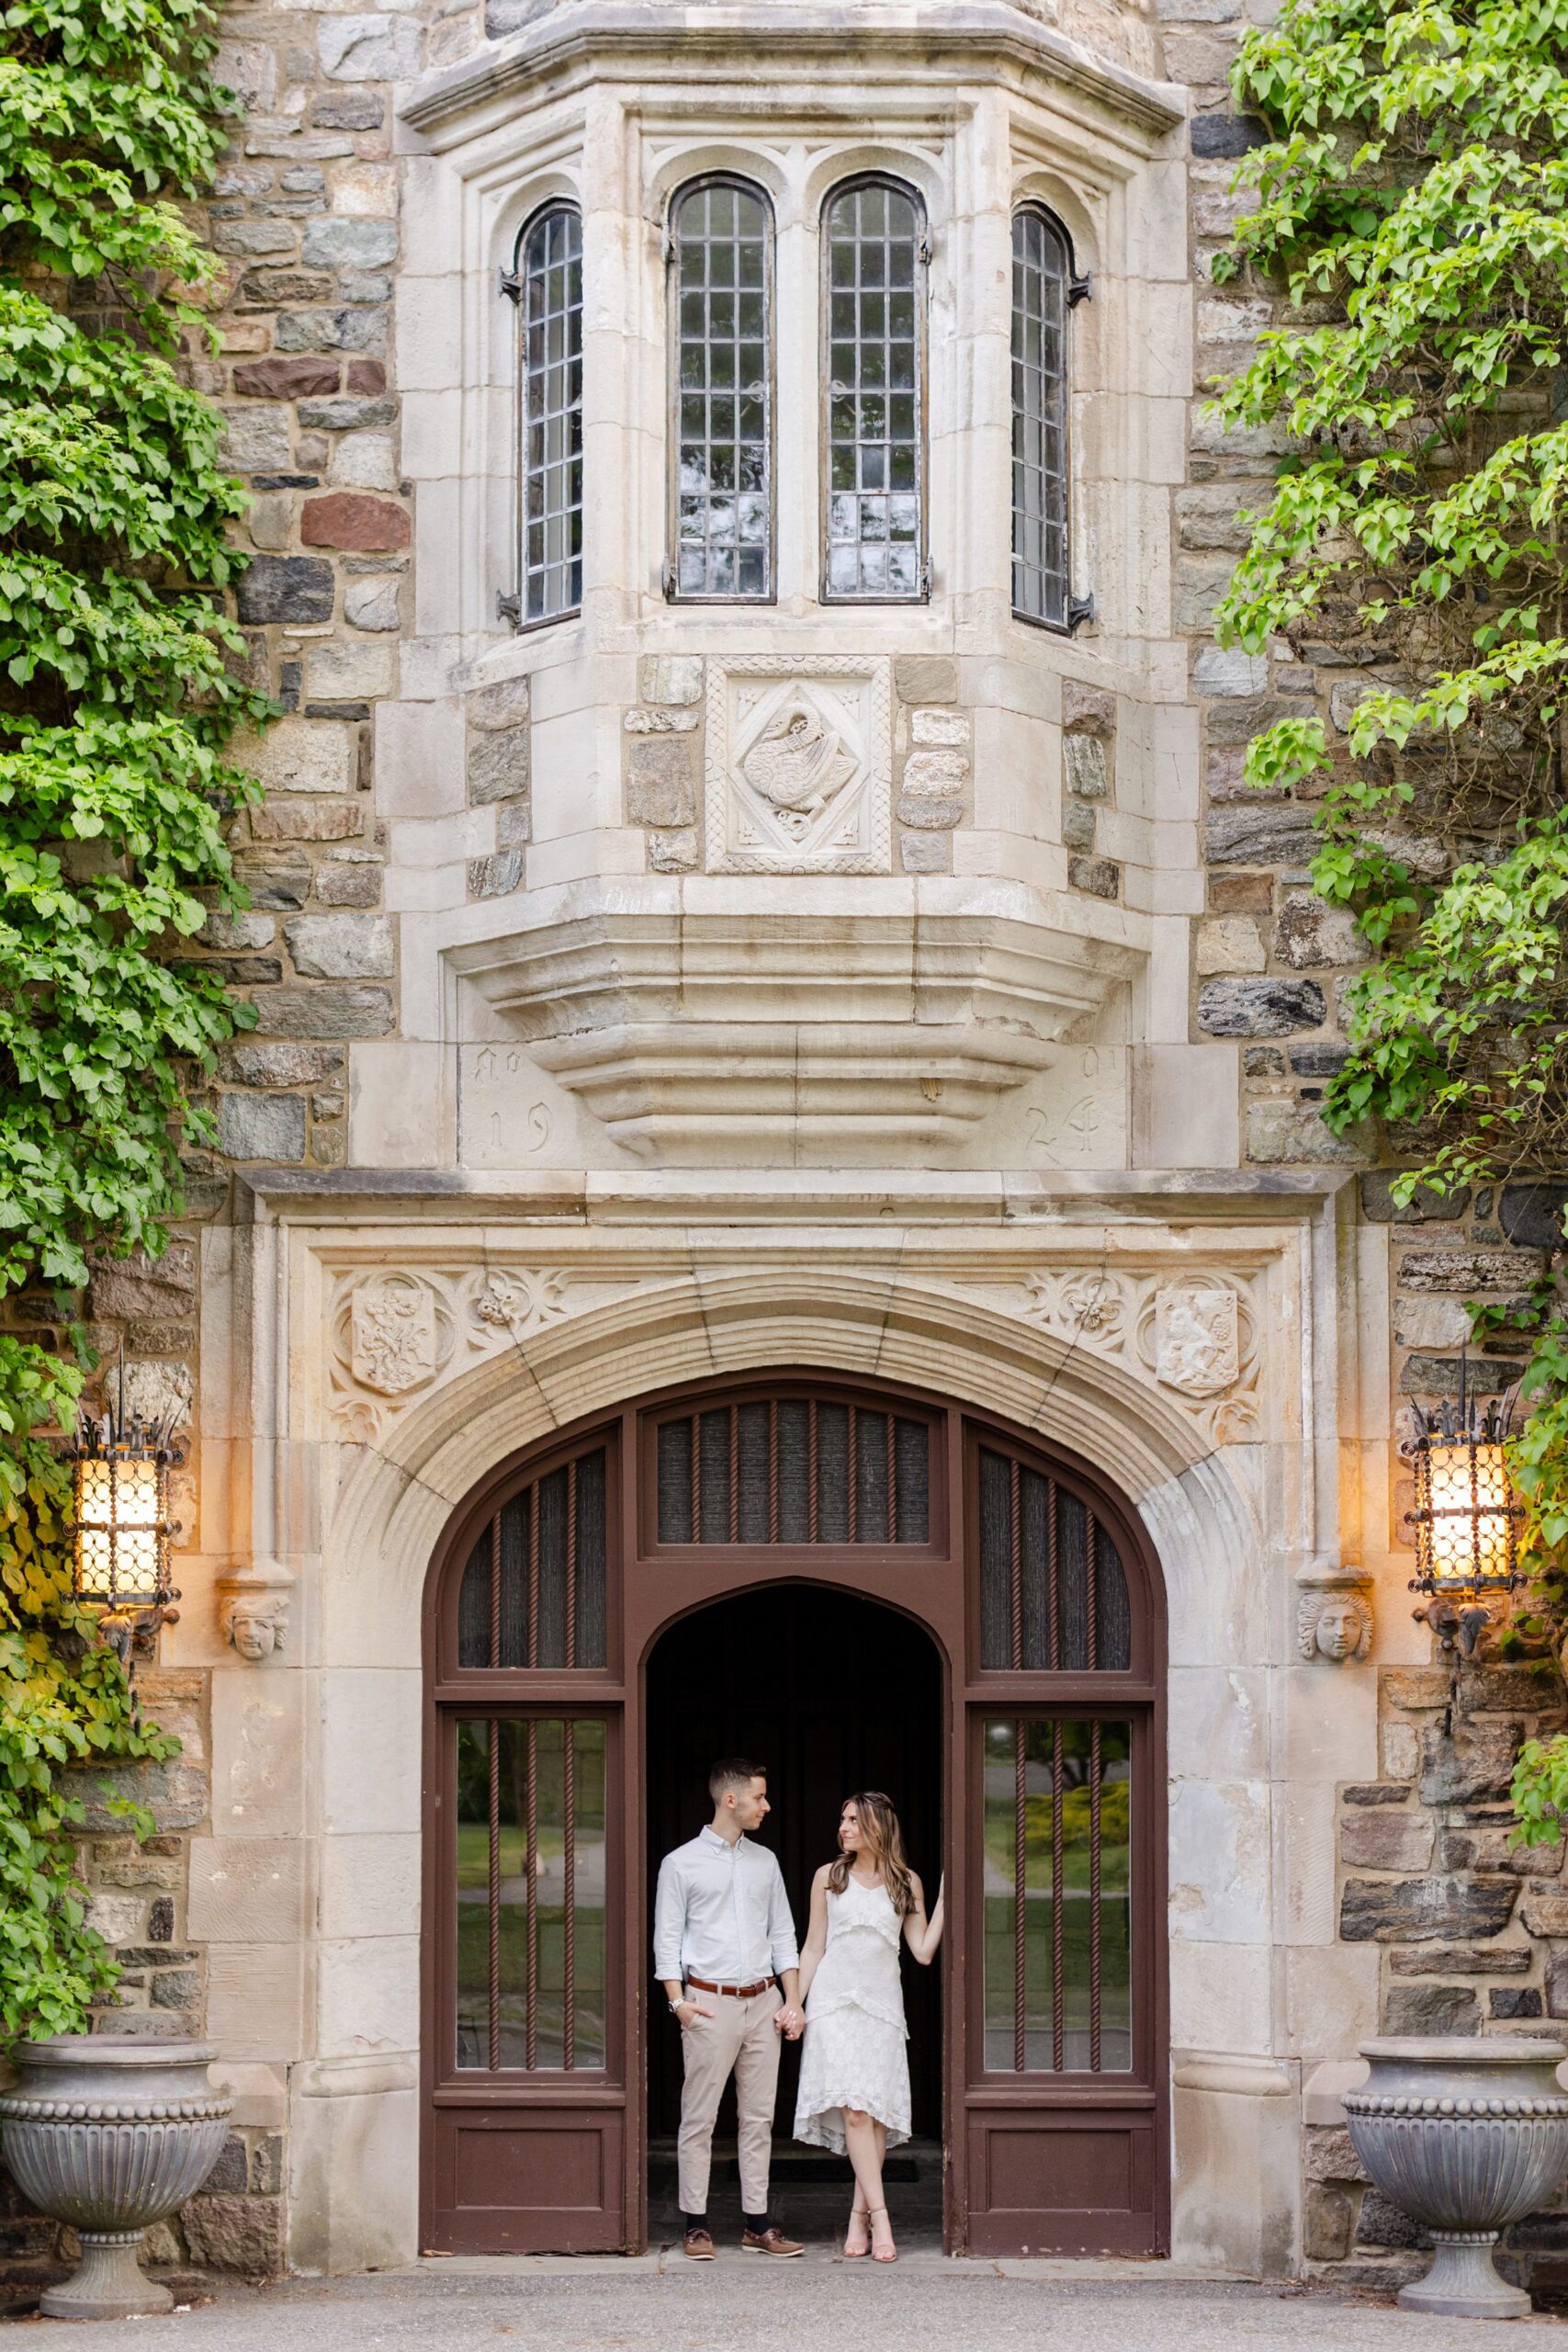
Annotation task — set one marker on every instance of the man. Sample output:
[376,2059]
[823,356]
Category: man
[722,1933]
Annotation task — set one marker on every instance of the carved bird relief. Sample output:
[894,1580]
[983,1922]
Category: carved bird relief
[798,762]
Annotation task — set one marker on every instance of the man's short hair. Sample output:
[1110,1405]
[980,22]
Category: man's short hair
[735,1772]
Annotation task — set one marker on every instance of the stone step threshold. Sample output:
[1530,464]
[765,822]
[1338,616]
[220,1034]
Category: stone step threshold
[665,2260]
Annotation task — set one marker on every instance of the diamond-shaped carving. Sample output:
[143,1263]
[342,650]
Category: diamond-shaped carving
[799,766]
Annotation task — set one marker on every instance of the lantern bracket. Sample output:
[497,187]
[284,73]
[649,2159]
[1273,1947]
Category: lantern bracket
[1457,1628]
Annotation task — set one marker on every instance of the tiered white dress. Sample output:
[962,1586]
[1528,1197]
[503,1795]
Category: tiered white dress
[852,2053]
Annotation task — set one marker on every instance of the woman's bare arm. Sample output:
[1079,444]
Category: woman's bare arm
[923,1935]
[816,1942]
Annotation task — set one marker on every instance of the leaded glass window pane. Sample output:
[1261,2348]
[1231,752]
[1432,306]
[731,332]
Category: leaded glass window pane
[874,305]
[550,370]
[723,393]
[1042,268]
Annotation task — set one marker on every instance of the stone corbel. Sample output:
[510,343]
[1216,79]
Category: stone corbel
[1334,1615]
[253,1609]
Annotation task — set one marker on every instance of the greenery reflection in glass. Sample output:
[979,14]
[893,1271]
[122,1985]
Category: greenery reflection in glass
[585,1980]
[1043,1892]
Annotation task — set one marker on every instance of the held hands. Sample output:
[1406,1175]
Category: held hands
[790,2022]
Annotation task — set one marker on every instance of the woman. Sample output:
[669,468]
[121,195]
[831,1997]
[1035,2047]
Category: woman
[854,2074]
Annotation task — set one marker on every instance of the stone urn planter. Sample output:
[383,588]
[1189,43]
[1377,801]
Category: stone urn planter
[111,2135]
[1467,2135]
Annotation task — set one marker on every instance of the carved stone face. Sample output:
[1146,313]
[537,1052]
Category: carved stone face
[257,1627]
[1334,1625]
[1338,1628]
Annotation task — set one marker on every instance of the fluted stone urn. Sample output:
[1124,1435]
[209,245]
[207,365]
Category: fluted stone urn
[1467,2135]
[111,2135]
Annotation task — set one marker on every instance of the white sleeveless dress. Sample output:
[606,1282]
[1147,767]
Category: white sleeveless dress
[852,2052]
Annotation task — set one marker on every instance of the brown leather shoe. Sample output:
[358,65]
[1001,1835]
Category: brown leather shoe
[698,2244]
[771,2241]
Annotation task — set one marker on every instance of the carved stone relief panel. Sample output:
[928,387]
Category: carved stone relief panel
[392,1342]
[1198,1337]
[396,1335]
[799,766]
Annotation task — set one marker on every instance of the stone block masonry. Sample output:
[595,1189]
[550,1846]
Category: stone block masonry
[1462,1932]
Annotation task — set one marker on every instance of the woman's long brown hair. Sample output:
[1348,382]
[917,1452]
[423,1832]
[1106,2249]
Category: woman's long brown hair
[879,1827]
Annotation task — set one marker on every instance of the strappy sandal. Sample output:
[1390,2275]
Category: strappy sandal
[879,2254]
[858,2253]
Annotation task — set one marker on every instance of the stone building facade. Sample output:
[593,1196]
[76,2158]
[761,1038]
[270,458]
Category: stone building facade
[987,1066]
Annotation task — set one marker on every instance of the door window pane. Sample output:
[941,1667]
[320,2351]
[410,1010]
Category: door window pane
[549,292]
[533,1592]
[874,327]
[1052,1590]
[794,1470]
[530,1892]
[1042,271]
[722,429]
[1057,1898]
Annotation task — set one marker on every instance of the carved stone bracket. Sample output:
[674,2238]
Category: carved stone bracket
[1334,1615]
[253,1609]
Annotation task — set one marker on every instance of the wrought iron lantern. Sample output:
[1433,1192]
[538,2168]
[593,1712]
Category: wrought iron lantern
[122,1524]
[1466,1517]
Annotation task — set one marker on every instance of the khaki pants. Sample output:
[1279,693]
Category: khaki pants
[739,2039]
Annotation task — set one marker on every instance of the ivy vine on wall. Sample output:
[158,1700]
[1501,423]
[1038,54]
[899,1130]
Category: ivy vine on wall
[1412,206]
[120,684]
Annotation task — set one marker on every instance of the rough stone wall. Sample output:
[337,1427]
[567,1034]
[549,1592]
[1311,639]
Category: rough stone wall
[305,215]
[1471,1932]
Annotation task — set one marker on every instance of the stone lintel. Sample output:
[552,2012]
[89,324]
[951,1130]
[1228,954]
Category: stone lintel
[300,1195]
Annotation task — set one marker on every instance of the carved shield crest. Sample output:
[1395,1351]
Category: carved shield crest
[392,1334]
[1197,1339]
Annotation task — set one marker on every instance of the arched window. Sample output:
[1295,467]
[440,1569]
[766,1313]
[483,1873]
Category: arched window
[1045,290]
[873,302]
[721,259]
[546,287]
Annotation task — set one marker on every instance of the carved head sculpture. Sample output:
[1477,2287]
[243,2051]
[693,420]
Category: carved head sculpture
[253,1619]
[1334,1625]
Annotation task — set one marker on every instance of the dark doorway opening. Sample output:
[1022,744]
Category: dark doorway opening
[832,1694]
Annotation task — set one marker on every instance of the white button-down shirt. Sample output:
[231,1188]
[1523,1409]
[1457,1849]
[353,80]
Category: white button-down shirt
[721,1913]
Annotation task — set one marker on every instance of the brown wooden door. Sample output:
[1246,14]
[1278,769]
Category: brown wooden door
[1064,2092]
[578,1601]
[525,2045]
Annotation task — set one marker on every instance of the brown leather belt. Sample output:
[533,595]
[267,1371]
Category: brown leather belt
[735,1992]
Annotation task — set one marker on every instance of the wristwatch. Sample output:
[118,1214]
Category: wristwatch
[676,2007]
